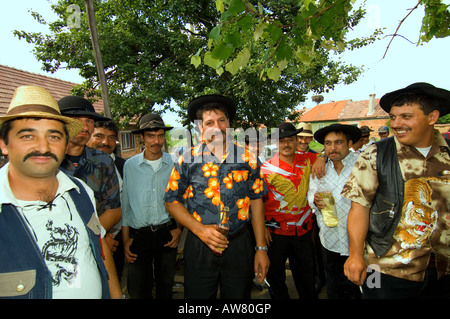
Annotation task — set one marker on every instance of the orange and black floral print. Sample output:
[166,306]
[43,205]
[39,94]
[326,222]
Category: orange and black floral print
[173,180]
[244,205]
[213,191]
[206,185]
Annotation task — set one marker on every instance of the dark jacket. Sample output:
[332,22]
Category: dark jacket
[23,272]
[386,208]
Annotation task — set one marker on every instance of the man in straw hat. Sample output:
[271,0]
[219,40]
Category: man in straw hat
[333,239]
[94,167]
[218,180]
[288,215]
[50,244]
[150,234]
[398,223]
[304,138]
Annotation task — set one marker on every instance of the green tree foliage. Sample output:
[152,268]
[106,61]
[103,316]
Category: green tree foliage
[266,56]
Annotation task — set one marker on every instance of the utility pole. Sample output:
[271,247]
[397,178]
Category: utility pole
[98,56]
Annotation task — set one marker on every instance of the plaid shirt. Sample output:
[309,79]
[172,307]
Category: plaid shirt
[334,239]
[97,169]
[206,185]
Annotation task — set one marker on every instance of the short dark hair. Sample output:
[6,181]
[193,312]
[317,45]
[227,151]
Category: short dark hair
[347,135]
[109,125]
[426,103]
[213,106]
[6,127]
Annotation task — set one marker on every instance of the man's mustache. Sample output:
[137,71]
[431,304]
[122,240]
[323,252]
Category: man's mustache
[39,154]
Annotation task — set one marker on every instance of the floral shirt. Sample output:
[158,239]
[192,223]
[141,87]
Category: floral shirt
[206,185]
[424,226]
[287,208]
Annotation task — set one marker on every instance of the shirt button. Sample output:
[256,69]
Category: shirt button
[20,288]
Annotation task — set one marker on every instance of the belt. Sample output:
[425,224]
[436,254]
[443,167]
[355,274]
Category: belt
[171,224]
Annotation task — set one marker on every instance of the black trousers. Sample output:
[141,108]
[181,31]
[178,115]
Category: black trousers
[205,273]
[338,286]
[300,251]
[154,264]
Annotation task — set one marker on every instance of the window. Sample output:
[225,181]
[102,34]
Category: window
[127,140]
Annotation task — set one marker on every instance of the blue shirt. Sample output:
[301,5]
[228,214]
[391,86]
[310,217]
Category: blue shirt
[143,191]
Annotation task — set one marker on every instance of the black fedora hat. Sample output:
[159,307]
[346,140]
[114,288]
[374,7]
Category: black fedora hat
[198,102]
[285,129]
[73,105]
[151,121]
[354,132]
[441,96]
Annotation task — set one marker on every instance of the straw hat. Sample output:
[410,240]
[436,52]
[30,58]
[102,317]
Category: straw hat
[35,101]
[307,129]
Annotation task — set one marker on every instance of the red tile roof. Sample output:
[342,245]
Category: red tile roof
[360,110]
[344,111]
[325,112]
[11,78]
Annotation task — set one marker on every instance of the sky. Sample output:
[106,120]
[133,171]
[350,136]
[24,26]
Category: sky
[404,64]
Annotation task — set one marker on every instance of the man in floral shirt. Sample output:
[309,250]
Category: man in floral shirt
[218,176]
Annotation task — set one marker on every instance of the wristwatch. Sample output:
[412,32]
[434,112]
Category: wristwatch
[261,248]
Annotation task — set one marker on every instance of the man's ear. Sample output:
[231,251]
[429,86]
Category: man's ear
[3,147]
[433,117]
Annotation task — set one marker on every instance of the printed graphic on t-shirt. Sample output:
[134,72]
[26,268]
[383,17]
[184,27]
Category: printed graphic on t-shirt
[59,252]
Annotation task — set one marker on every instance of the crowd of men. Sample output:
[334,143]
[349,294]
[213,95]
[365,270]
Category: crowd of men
[366,219]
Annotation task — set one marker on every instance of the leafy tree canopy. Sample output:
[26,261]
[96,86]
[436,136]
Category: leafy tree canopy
[265,55]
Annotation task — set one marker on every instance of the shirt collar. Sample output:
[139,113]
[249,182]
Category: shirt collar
[65,184]
[166,158]
[439,142]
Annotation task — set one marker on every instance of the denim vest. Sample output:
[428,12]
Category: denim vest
[386,208]
[23,272]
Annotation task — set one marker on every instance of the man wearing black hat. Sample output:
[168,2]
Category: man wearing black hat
[94,167]
[400,190]
[218,180]
[337,140]
[288,216]
[150,235]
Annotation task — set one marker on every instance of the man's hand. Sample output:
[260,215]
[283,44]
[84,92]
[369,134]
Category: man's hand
[176,235]
[129,256]
[212,238]
[318,201]
[112,243]
[355,269]
[318,168]
[261,265]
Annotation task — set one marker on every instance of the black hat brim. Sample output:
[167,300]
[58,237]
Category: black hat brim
[198,102]
[284,134]
[140,130]
[354,132]
[440,95]
[77,113]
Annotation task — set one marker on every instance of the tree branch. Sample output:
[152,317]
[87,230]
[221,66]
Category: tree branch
[398,27]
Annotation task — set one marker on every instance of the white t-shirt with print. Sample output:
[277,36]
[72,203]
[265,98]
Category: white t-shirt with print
[62,238]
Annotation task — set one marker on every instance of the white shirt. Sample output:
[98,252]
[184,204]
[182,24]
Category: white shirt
[62,238]
[334,238]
